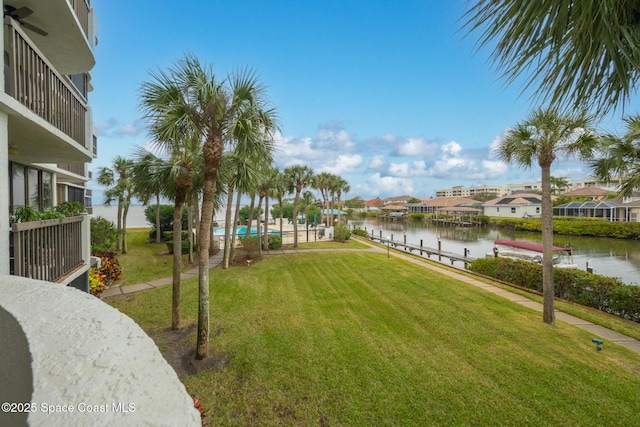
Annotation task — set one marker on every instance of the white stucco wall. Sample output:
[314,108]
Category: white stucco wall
[88,359]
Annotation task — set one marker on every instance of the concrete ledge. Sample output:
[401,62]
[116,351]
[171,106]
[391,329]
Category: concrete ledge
[90,364]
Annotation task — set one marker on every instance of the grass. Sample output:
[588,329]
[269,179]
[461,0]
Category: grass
[145,261]
[354,338]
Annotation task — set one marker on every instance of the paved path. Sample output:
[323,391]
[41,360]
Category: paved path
[596,330]
[214,261]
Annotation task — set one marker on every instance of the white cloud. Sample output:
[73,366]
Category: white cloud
[343,164]
[416,147]
[377,162]
[452,148]
[377,185]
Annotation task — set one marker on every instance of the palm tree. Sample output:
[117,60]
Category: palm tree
[322,182]
[118,177]
[342,187]
[557,184]
[621,160]
[278,190]
[297,178]
[545,136]
[578,52]
[267,181]
[200,107]
[145,171]
[175,178]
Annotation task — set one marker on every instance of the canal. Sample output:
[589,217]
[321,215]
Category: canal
[609,257]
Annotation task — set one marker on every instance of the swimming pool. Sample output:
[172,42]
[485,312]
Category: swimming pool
[242,230]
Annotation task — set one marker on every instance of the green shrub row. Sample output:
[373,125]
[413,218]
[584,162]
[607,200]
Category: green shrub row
[576,227]
[360,232]
[607,294]
[185,246]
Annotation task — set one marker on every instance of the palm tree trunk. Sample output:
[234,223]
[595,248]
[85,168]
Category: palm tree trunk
[125,212]
[234,235]
[119,225]
[189,230]
[227,228]
[281,216]
[548,314]
[177,260]
[158,218]
[212,153]
[266,223]
[295,219]
[258,227]
[250,220]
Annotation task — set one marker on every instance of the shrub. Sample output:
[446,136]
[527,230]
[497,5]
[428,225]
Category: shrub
[607,294]
[360,232]
[417,216]
[110,267]
[96,282]
[166,218]
[185,246]
[104,236]
[275,241]
[341,233]
[251,245]
[70,208]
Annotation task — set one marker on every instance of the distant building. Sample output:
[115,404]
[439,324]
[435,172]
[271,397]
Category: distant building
[460,191]
[373,205]
[592,193]
[524,205]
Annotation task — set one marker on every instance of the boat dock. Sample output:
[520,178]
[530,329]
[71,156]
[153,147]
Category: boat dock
[424,250]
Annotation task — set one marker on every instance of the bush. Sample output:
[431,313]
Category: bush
[166,218]
[104,236]
[110,266]
[185,246]
[607,294]
[251,245]
[360,232]
[341,233]
[417,216]
[96,282]
[275,241]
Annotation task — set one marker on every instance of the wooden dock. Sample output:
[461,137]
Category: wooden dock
[424,250]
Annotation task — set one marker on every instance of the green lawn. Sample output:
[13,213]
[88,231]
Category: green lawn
[354,338]
[145,261]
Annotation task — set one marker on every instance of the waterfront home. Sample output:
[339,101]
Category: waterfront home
[373,205]
[594,194]
[442,204]
[520,205]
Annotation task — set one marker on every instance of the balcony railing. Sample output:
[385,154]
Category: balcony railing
[81,8]
[49,249]
[34,83]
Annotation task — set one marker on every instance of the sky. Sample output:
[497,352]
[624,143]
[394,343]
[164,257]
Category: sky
[390,95]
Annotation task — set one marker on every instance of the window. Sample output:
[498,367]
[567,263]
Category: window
[513,210]
[18,183]
[537,210]
[30,186]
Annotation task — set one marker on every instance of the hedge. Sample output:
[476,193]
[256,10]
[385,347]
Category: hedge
[596,227]
[607,294]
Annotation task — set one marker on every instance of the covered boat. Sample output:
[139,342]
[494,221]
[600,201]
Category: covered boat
[529,251]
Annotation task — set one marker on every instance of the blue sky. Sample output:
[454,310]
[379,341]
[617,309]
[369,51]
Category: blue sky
[389,95]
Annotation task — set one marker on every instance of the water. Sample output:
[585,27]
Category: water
[135,217]
[608,257]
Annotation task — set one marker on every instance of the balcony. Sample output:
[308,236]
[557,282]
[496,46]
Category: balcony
[50,250]
[35,83]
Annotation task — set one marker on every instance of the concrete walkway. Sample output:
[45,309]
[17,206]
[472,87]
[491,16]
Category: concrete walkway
[214,261]
[599,331]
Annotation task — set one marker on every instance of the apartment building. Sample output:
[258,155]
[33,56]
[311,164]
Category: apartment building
[46,136]
[461,191]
